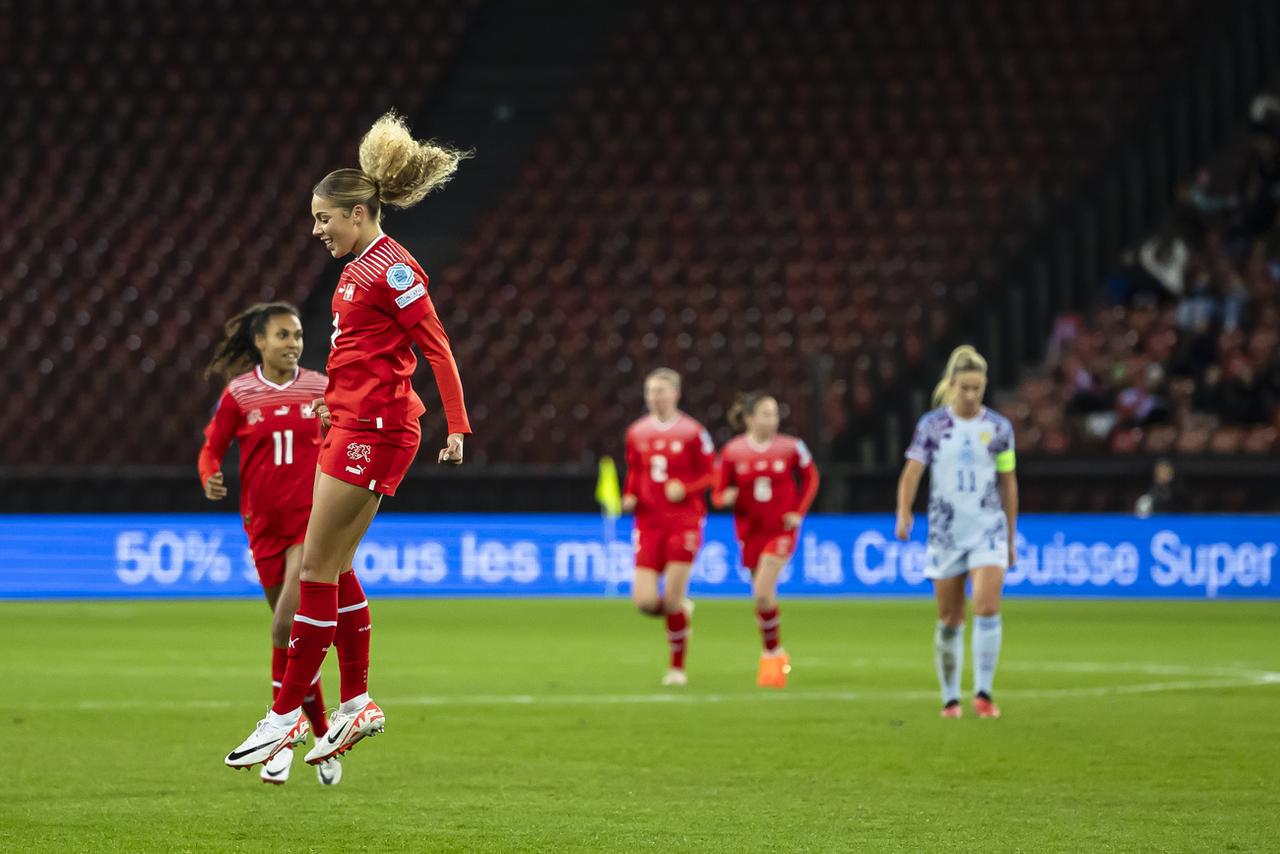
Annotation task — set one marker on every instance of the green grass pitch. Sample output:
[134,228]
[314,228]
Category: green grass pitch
[539,725]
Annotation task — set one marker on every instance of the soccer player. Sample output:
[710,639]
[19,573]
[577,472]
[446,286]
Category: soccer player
[670,465]
[267,407]
[973,518]
[380,310]
[758,479]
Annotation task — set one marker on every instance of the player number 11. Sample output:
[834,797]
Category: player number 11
[284,446]
[972,481]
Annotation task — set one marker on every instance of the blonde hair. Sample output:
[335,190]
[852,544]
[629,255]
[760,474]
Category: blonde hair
[666,374]
[963,358]
[395,169]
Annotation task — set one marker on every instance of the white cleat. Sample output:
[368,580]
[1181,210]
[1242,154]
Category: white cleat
[346,729]
[268,738]
[675,678]
[329,772]
[276,769]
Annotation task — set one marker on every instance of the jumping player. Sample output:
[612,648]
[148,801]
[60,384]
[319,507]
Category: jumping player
[380,310]
[267,408]
[973,518]
[670,465]
[758,479]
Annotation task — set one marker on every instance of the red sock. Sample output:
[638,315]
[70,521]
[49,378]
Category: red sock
[678,637]
[352,638]
[279,660]
[313,708]
[770,628]
[309,642]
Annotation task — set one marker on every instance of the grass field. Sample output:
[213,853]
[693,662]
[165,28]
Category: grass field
[540,726]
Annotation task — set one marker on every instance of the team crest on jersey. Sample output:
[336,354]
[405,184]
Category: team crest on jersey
[359,451]
[985,437]
[779,466]
[659,445]
[399,277]
[306,410]
[677,446]
[349,292]
[254,416]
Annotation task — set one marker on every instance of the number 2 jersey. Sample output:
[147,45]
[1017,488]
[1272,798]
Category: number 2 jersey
[965,456]
[681,449]
[772,480]
[279,437]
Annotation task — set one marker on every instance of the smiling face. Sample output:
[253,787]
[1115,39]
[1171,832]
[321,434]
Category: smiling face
[967,389]
[280,344]
[338,229]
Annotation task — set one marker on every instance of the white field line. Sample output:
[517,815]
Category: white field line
[1238,679]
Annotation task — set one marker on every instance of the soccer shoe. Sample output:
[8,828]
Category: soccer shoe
[267,739]
[985,707]
[675,678]
[953,710]
[346,729]
[276,769]
[329,772]
[773,670]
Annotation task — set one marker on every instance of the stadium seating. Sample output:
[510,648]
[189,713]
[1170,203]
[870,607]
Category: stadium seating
[159,159]
[744,188]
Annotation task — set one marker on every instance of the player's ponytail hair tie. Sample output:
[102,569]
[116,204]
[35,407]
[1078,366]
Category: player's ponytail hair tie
[744,406]
[963,359]
[401,169]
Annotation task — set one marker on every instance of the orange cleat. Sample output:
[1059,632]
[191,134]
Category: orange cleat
[953,710]
[984,707]
[773,670]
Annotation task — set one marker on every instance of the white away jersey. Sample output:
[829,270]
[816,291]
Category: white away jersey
[964,501]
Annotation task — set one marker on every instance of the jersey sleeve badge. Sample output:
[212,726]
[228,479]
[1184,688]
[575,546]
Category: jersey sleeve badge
[400,277]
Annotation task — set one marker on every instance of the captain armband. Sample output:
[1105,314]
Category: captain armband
[1005,462]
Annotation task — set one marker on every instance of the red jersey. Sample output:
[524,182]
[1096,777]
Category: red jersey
[680,449]
[766,479]
[279,438]
[380,310]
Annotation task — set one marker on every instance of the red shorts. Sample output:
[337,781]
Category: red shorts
[374,459]
[270,540]
[754,546]
[658,545]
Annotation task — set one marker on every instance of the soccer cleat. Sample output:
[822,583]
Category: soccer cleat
[773,670]
[329,772]
[675,678]
[267,739]
[985,707]
[953,710]
[276,769]
[346,729]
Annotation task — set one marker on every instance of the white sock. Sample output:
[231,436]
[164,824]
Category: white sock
[987,634]
[948,656]
[288,718]
[355,704]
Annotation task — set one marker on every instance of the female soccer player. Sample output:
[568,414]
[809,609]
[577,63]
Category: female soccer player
[973,519]
[380,310]
[758,472]
[670,464]
[268,408]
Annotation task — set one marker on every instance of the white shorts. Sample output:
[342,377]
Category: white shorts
[948,563]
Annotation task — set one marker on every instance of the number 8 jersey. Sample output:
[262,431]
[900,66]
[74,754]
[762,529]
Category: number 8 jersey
[964,456]
[681,449]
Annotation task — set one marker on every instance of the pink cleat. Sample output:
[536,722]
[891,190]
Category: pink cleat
[953,710]
[984,707]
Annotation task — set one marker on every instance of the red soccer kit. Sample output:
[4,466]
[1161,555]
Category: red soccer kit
[682,450]
[279,438]
[766,479]
[380,309]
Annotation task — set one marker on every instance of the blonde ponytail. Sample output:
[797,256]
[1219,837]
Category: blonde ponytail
[963,358]
[395,169]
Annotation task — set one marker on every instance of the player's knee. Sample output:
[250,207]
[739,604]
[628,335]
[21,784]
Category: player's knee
[281,628]
[766,601]
[986,609]
[649,606]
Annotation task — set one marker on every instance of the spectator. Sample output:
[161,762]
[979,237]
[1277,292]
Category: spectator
[1165,495]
